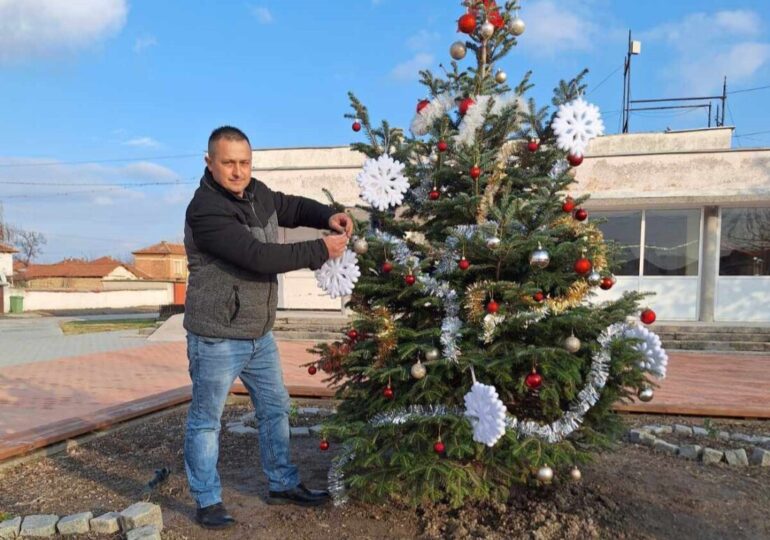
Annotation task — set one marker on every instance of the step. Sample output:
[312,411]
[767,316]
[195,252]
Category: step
[710,329]
[738,346]
[299,335]
[717,336]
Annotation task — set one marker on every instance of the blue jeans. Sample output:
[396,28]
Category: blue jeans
[214,365]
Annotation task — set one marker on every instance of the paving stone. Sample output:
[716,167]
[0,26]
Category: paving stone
[743,437]
[647,439]
[300,432]
[247,418]
[10,528]
[75,524]
[711,456]
[634,435]
[760,457]
[233,424]
[662,430]
[724,435]
[663,446]
[106,523]
[141,514]
[315,430]
[148,532]
[326,412]
[39,525]
[700,431]
[243,430]
[690,451]
[681,429]
[309,411]
[737,458]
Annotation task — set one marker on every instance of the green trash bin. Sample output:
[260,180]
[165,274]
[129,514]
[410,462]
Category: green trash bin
[17,304]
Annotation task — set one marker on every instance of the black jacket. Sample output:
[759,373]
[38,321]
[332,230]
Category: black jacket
[233,256]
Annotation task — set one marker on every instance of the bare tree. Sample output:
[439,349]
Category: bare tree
[30,244]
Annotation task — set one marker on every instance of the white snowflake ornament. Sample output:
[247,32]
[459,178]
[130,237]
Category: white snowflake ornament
[655,358]
[382,182]
[486,413]
[337,277]
[576,123]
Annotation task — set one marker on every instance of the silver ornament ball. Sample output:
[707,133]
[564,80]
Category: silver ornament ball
[432,355]
[572,344]
[646,394]
[501,76]
[540,258]
[545,474]
[493,242]
[360,246]
[418,370]
[517,26]
[575,474]
[487,30]
[594,278]
[458,50]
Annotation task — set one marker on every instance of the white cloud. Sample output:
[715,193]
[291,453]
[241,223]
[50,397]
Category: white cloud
[143,142]
[422,40]
[407,71]
[103,200]
[553,27]
[262,14]
[144,42]
[41,28]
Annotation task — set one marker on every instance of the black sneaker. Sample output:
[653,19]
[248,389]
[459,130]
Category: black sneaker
[300,496]
[214,517]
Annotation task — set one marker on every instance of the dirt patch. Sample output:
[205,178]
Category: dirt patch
[631,493]
[112,325]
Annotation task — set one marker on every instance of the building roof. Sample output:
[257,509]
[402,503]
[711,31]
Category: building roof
[79,268]
[5,248]
[162,248]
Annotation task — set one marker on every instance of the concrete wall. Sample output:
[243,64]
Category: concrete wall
[41,300]
[81,284]
[6,264]
[655,143]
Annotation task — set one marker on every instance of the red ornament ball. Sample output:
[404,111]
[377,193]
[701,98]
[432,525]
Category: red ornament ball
[442,146]
[434,195]
[439,447]
[464,264]
[356,126]
[569,205]
[388,392]
[312,370]
[534,380]
[475,172]
[493,14]
[583,266]
[387,267]
[575,159]
[422,104]
[353,334]
[324,445]
[533,145]
[648,316]
[467,23]
[538,296]
[465,105]
[606,283]
[409,279]
[492,307]
[581,214]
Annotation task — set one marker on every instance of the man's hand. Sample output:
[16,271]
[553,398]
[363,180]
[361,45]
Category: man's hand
[341,223]
[336,244]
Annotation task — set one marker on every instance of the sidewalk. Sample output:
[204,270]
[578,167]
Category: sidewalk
[46,402]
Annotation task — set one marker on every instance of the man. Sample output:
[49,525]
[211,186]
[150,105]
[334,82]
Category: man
[231,235]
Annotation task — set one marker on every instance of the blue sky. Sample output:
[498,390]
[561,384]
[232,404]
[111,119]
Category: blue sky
[101,96]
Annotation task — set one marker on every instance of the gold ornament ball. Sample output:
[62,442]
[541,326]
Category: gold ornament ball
[487,30]
[646,394]
[418,370]
[545,474]
[458,50]
[493,242]
[575,474]
[432,355]
[517,26]
[360,246]
[540,258]
[594,278]
[572,344]
[501,76]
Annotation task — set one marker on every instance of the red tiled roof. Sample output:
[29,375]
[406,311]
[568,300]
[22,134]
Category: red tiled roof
[5,248]
[163,248]
[73,268]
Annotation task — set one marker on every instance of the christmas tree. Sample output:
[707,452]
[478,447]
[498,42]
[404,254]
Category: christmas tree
[475,360]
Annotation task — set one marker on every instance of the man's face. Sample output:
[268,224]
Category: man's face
[230,165]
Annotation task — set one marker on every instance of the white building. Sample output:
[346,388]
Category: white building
[692,213]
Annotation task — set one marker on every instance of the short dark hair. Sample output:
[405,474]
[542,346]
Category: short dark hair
[226,132]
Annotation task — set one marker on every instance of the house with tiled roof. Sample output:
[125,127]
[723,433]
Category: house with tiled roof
[77,274]
[162,261]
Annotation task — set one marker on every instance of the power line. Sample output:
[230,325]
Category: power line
[595,88]
[108,160]
[750,134]
[732,119]
[750,89]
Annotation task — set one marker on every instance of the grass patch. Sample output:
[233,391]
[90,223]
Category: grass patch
[113,325]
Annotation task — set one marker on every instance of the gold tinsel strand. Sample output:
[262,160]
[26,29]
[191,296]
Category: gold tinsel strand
[593,235]
[475,295]
[386,333]
[494,184]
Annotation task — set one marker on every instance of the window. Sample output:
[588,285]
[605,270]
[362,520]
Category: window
[625,230]
[178,268]
[744,248]
[672,242]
